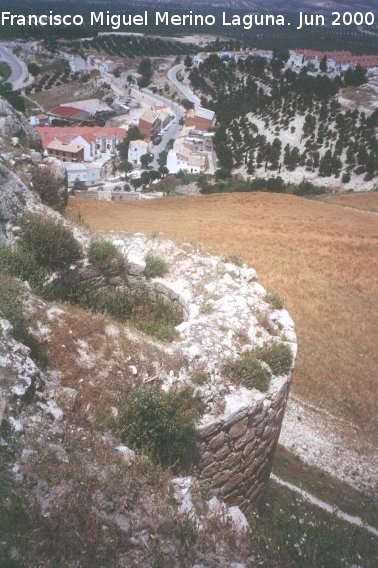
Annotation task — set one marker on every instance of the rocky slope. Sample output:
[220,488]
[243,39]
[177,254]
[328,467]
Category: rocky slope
[84,498]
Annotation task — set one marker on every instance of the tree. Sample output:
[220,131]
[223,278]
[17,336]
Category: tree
[324,65]
[355,77]
[163,170]
[133,133]
[126,167]
[188,61]
[146,159]
[145,178]
[34,69]
[78,186]
[13,97]
[187,104]
[162,159]
[145,69]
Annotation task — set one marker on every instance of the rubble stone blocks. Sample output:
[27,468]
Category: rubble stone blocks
[239,456]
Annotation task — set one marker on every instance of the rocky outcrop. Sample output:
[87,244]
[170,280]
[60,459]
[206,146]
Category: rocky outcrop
[15,198]
[13,124]
[19,375]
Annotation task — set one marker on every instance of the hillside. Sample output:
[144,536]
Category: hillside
[275,120]
[143,384]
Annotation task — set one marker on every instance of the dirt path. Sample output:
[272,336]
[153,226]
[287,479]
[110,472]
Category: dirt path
[332,444]
[354,520]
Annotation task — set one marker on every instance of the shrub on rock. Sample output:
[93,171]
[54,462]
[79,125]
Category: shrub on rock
[50,241]
[155,266]
[104,254]
[162,424]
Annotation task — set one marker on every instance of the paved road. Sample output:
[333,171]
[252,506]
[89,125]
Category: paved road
[184,90]
[147,96]
[19,70]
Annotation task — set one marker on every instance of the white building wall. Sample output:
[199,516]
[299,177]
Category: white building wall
[174,164]
[88,176]
[136,150]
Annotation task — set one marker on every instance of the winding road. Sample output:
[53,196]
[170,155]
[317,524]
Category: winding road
[19,70]
[183,89]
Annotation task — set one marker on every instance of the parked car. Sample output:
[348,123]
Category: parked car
[157,140]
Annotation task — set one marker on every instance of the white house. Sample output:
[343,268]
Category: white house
[90,174]
[137,148]
[186,161]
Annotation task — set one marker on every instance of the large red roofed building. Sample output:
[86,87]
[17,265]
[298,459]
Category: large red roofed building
[68,113]
[94,140]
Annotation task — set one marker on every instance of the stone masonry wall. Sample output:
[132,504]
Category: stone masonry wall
[225,313]
[237,453]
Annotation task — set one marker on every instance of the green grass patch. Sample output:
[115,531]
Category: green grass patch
[275,300]
[155,266]
[277,355]
[290,532]
[160,424]
[104,254]
[248,371]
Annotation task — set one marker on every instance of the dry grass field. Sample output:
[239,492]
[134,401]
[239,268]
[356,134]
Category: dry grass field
[364,201]
[323,260]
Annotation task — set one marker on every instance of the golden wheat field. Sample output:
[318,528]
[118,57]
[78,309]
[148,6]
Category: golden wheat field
[364,201]
[323,260]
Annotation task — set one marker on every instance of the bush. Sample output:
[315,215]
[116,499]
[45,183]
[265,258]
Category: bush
[162,424]
[277,355]
[115,303]
[50,242]
[308,188]
[156,317]
[248,371]
[21,264]
[103,254]
[11,305]
[51,188]
[274,300]
[155,266]
[80,292]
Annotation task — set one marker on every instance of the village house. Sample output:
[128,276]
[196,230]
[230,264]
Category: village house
[66,152]
[337,61]
[79,111]
[68,114]
[137,148]
[191,151]
[186,161]
[95,140]
[149,124]
[41,119]
[86,173]
[199,118]
[89,173]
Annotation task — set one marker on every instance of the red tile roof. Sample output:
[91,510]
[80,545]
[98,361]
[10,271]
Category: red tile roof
[342,57]
[67,133]
[69,112]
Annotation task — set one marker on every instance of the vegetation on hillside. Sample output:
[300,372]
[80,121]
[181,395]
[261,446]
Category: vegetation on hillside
[252,98]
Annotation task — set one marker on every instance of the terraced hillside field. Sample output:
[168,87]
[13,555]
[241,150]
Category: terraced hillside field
[321,258]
